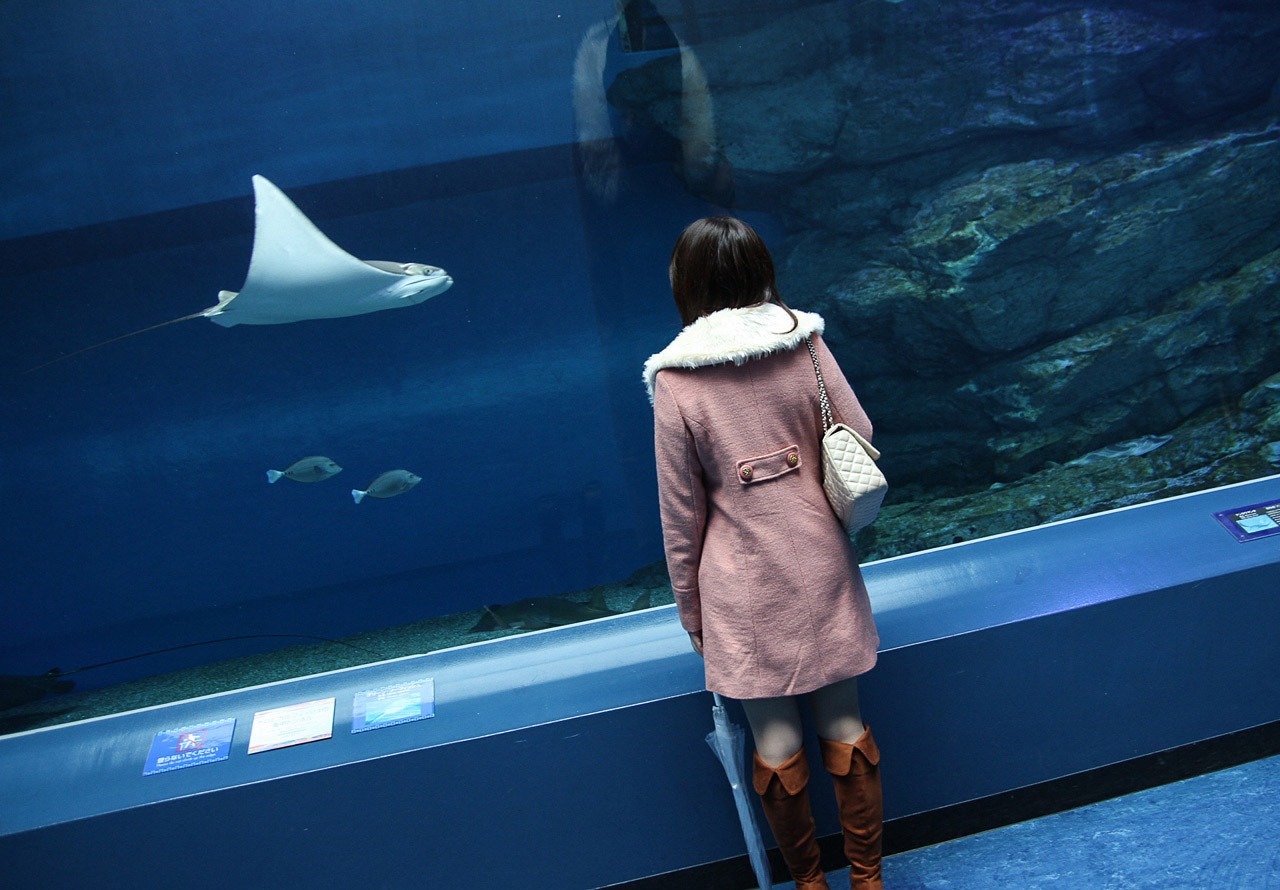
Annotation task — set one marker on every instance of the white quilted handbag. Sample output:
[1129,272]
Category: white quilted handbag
[853,483]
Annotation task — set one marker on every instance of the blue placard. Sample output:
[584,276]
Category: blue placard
[1252,522]
[393,705]
[190,746]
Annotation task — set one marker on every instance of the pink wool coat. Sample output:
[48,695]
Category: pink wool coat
[759,563]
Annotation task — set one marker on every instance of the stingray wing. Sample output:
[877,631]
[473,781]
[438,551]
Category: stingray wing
[297,273]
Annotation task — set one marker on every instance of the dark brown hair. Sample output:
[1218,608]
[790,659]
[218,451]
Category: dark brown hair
[721,263]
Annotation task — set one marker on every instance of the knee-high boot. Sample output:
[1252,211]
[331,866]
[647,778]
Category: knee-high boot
[784,793]
[855,769]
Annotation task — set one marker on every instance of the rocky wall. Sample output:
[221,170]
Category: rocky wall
[1045,235]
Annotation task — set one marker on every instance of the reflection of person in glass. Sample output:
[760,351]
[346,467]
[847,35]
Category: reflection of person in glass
[765,577]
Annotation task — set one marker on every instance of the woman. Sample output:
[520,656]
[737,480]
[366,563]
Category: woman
[765,578]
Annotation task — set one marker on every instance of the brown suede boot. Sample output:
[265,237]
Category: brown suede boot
[784,792]
[855,769]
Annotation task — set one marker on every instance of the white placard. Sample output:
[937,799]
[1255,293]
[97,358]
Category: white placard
[297,724]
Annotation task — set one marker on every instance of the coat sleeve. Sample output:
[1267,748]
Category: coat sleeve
[844,404]
[682,500]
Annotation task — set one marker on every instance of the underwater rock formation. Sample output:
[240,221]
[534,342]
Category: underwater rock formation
[1221,443]
[1035,229]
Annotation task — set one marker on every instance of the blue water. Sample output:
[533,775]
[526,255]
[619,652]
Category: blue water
[138,515]
[116,110]
[139,511]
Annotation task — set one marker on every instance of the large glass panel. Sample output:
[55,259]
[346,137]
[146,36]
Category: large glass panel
[1043,235]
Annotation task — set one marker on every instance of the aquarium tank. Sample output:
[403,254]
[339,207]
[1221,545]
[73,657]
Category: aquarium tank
[324,322]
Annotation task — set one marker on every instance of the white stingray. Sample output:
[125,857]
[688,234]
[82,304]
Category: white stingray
[296,273]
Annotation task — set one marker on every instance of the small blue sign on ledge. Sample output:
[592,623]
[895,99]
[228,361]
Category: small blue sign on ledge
[393,705]
[1252,522]
[190,746]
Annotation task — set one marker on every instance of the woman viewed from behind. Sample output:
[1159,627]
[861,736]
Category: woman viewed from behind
[765,578]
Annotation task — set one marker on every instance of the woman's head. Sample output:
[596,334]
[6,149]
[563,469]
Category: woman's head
[720,263]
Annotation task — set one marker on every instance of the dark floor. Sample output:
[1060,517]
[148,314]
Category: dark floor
[1220,831]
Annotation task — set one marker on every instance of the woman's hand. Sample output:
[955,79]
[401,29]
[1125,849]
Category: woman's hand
[696,640]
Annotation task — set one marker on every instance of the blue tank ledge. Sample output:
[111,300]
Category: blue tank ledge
[574,757]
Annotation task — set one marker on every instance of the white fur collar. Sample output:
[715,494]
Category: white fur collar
[732,335]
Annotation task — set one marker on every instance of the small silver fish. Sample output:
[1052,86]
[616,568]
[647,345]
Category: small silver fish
[309,469]
[388,485]
[1128,448]
[541,612]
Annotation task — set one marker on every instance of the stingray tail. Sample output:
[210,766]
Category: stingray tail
[164,324]
[358,495]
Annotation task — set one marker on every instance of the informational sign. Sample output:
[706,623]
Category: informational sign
[393,705]
[297,724]
[190,746]
[1252,522]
